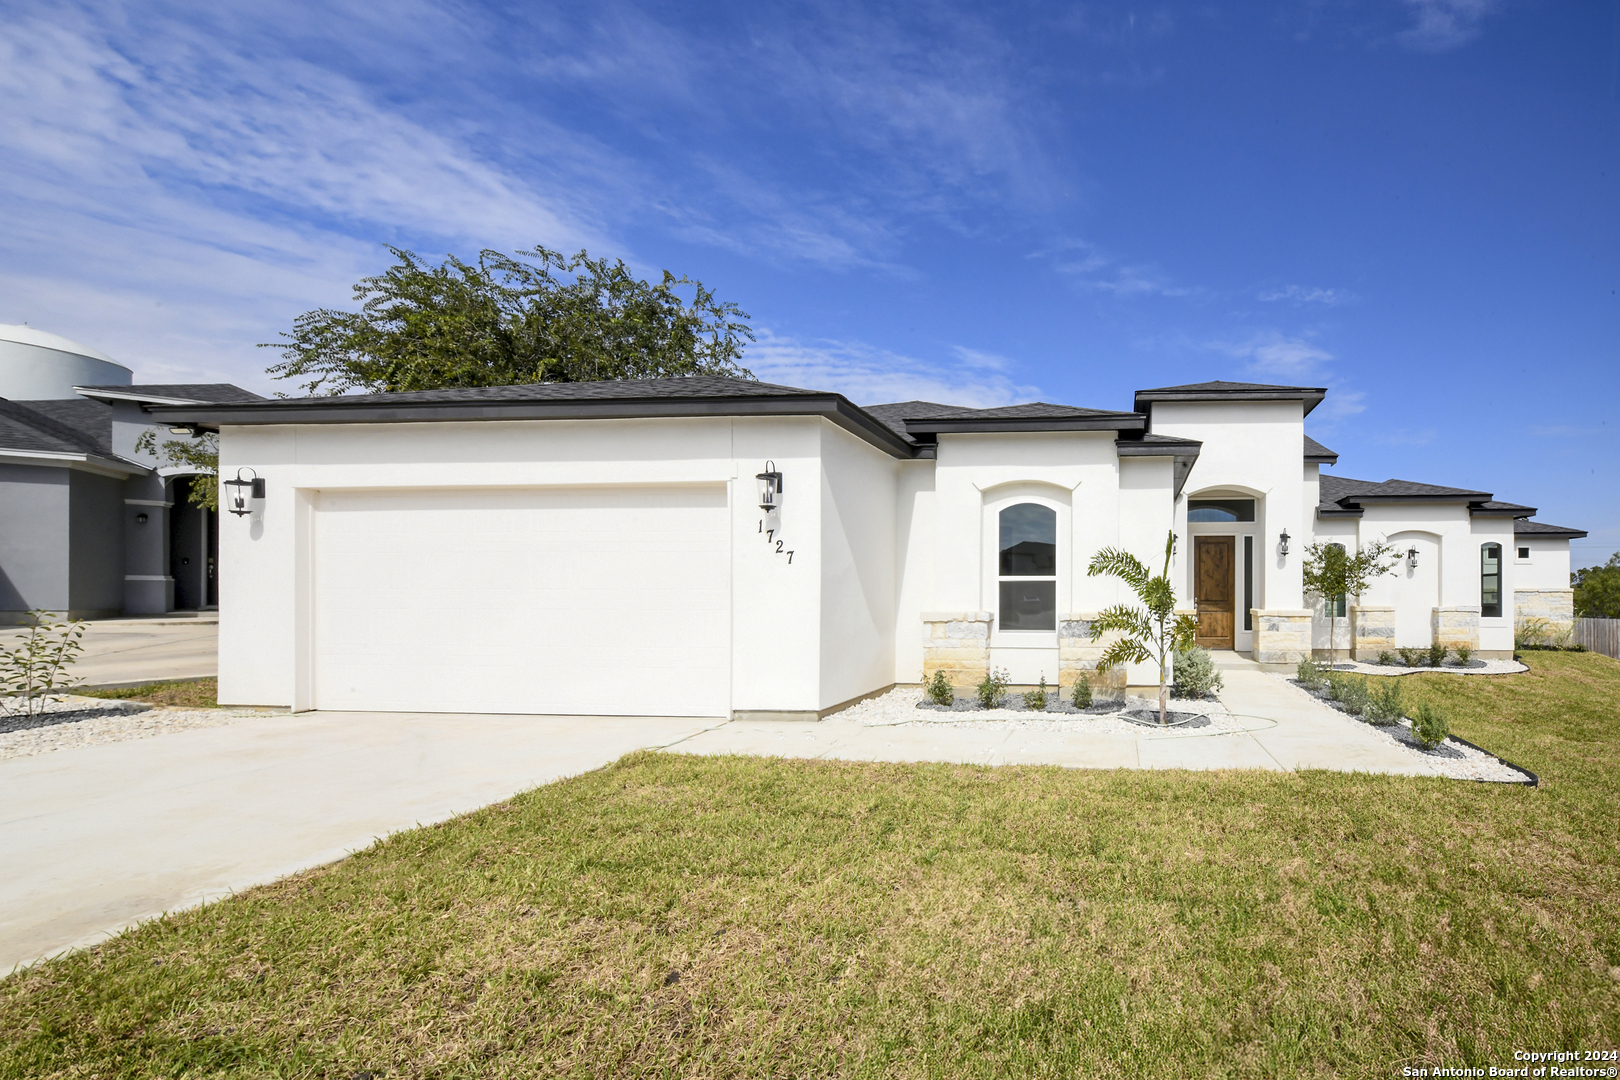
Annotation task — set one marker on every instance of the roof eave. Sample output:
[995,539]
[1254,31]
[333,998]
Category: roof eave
[144,399]
[1310,396]
[833,407]
[951,426]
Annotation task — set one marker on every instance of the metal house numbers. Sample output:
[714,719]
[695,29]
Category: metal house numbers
[772,539]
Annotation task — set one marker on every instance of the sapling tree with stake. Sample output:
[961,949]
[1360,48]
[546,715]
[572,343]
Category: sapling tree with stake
[35,669]
[1331,572]
[1151,631]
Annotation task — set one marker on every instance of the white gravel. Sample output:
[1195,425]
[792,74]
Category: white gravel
[81,721]
[1451,758]
[899,706]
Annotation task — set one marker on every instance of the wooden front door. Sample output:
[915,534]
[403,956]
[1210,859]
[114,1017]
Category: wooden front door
[1214,584]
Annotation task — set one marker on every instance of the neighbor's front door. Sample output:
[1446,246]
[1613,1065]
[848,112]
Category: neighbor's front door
[1213,588]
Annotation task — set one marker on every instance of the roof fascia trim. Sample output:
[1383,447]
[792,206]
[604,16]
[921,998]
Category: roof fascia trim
[945,426]
[1310,396]
[832,407]
[144,399]
[94,463]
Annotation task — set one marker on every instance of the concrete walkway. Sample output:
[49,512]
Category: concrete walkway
[124,652]
[99,838]
[1292,731]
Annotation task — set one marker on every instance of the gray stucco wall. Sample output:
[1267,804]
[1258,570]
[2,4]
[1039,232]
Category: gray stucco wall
[96,545]
[34,543]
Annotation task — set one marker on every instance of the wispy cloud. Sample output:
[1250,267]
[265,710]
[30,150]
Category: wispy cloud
[1094,270]
[1443,24]
[871,376]
[1302,294]
[1278,355]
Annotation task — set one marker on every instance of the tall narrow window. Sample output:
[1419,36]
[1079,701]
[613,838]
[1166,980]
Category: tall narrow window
[1248,583]
[1337,607]
[1028,569]
[1490,581]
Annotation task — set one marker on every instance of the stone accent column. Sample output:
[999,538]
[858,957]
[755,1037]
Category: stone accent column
[1555,606]
[1372,631]
[1282,635]
[1454,626]
[1078,654]
[957,643]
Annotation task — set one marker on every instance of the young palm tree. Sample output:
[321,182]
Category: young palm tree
[1152,631]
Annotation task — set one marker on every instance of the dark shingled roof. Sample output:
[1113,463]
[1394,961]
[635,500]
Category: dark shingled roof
[1231,391]
[1410,489]
[208,393]
[1525,527]
[1502,509]
[89,419]
[894,414]
[1030,416]
[22,428]
[1315,451]
[691,386]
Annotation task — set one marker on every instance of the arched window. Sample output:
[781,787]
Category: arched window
[1490,581]
[1028,568]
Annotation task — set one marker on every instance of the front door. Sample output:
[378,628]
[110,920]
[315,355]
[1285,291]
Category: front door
[1213,588]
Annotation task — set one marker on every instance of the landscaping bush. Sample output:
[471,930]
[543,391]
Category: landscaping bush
[939,690]
[1437,654]
[1080,696]
[1195,674]
[1350,691]
[1464,653]
[1309,674]
[993,689]
[1384,702]
[1386,658]
[1429,726]
[1036,699]
[1411,657]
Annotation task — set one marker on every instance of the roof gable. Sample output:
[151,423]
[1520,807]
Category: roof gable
[1219,390]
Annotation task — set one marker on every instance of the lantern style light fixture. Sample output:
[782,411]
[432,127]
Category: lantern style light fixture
[1282,543]
[1411,558]
[140,519]
[770,488]
[245,496]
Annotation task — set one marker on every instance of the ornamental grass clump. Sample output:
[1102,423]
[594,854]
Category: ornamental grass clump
[1196,676]
[1437,654]
[1384,705]
[1080,696]
[993,690]
[939,690]
[1429,726]
[1411,657]
[1036,699]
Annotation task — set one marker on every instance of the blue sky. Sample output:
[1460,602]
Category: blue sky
[1413,202]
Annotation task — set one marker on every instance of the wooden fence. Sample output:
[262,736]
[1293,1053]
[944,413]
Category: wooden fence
[1599,635]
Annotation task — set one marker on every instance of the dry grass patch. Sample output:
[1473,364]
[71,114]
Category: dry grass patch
[190,693]
[688,916]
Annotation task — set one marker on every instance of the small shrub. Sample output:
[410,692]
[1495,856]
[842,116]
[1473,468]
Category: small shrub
[1080,696]
[1384,702]
[1350,691]
[1531,634]
[1429,726]
[34,671]
[1195,674]
[1437,654]
[939,689]
[1036,699]
[1386,658]
[1464,653]
[1309,674]
[1411,657]
[993,689]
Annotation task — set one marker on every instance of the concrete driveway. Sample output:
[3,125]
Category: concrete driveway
[99,838]
[123,652]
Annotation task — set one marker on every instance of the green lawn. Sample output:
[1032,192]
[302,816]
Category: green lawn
[675,916]
[191,693]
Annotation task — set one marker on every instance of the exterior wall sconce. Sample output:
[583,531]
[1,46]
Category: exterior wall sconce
[770,488]
[1411,558]
[245,496]
[140,519]
[1175,542]
[1282,543]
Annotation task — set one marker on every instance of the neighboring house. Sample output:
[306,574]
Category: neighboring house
[599,548]
[90,526]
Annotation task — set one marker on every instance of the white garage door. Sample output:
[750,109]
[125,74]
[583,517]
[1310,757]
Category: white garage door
[609,601]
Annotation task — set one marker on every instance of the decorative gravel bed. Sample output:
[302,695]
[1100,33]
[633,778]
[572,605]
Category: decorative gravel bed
[1453,759]
[1474,667]
[80,721]
[906,705]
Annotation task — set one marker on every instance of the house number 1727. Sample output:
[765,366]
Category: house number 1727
[770,538]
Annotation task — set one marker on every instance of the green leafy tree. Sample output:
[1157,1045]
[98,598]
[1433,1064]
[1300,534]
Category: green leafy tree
[200,452]
[1331,572]
[511,320]
[1597,590]
[1152,631]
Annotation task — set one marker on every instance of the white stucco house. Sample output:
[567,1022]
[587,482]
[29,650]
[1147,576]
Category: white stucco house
[600,548]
